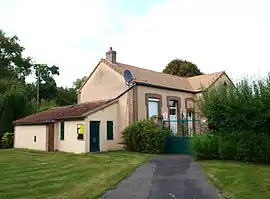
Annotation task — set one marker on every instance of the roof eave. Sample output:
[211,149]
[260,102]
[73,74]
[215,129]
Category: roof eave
[80,117]
[166,87]
[33,123]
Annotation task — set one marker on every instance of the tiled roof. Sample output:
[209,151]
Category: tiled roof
[197,82]
[162,79]
[62,112]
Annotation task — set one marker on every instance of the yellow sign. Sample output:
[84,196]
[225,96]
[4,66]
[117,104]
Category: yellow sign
[80,128]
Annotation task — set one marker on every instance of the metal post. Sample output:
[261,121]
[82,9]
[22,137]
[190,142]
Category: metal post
[38,82]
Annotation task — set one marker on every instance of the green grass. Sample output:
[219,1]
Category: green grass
[239,180]
[32,174]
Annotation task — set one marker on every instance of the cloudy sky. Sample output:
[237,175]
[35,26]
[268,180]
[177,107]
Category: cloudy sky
[230,35]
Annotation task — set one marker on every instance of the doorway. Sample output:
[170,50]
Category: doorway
[190,123]
[173,107]
[94,136]
[50,137]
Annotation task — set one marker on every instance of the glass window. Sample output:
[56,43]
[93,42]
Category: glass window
[109,130]
[62,130]
[152,108]
[172,111]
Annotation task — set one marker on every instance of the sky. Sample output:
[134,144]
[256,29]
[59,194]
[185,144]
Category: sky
[216,35]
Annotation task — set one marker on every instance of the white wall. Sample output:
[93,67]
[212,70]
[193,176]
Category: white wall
[24,137]
[70,142]
[105,83]
[109,113]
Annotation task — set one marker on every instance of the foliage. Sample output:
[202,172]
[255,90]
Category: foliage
[65,96]
[240,116]
[78,83]
[246,107]
[44,104]
[182,68]
[17,97]
[204,146]
[13,64]
[14,106]
[7,140]
[145,136]
[241,146]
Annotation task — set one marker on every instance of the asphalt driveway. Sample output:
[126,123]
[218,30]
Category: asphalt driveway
[175,176]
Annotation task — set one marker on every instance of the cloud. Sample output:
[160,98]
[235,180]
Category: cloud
[216,35]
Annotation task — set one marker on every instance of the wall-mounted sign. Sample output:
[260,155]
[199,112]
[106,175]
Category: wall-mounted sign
[80,131]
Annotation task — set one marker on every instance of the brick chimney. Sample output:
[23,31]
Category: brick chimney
[111,55]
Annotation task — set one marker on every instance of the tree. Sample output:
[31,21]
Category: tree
[66,96]
[46,85]
[14,106]
[12,64]
[182,68]
[79,82]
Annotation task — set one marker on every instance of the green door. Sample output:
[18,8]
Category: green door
[94,136]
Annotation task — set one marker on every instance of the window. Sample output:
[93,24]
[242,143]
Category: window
[80,131]
[62,130]
[109,130]
[35,138]
[152,107]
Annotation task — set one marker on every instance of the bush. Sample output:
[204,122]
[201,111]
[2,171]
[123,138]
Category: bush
[7,140]
[204,146]
[244,146]
[240,118]
[227,147]
[145,136]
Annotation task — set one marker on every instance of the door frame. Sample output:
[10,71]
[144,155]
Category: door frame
[178,111]
[90,136]
[50,136]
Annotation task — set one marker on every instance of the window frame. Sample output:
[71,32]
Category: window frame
[62,134]
[154,98]
[110,136]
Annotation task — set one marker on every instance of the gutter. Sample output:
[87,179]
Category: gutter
[32,123]
[168,88]
[75,117]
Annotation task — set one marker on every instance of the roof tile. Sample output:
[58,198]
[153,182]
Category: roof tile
[162,79]
[61,112]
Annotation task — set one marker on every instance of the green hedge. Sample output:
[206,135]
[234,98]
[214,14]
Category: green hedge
[244,146]
[239,118]
[145,136]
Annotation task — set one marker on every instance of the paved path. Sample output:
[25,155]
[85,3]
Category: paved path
[165,177]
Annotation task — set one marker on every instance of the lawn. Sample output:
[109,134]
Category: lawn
[239,180]
[33,174]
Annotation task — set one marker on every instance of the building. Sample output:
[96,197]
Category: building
[107,105]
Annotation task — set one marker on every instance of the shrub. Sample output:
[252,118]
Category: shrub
[242,146]
[145,136]
[240,118]
[204,146]
[245,107]
[227,147]
[7,140]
